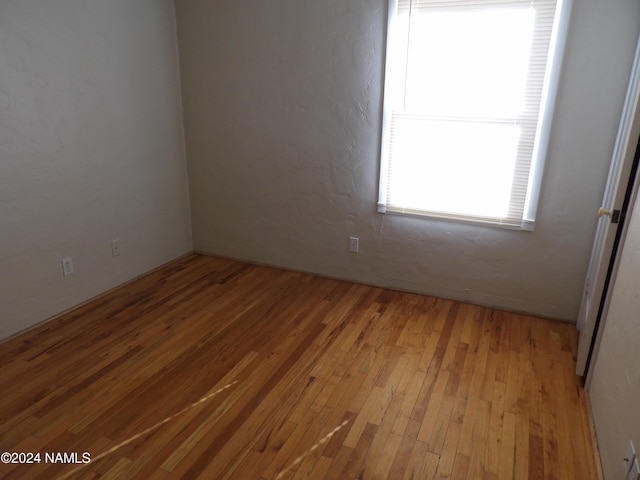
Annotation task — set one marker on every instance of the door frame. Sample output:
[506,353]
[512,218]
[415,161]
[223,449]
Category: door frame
[631,194]
[594,303]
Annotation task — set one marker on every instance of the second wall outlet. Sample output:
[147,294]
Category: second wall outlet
[354,244]
[115,247]
[67,266]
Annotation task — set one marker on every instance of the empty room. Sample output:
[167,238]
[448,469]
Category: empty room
[355,239]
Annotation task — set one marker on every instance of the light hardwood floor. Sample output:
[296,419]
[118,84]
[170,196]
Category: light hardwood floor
[211,368]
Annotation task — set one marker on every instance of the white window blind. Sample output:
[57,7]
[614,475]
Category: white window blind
[466,108]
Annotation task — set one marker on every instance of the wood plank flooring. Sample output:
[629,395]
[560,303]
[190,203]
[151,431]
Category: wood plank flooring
[211,368]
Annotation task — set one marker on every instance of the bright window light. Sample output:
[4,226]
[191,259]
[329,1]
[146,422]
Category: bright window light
[465,83]
[460,63]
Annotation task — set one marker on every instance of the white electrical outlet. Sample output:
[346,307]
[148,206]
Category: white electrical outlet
[354,244]
[67,266]
[629,459]
[115,247]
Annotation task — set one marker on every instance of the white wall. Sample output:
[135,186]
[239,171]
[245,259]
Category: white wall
[91,149]
[615,384]
[282,116]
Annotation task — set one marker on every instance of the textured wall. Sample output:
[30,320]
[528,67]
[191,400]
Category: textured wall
[615,385]
[91,149]
[282,117]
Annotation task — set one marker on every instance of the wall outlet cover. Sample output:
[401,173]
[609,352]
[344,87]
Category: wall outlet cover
[115,247]
[67,266]
[354,244]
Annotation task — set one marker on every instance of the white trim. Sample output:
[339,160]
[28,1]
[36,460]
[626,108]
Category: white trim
[556,55]
[386,117]
[528,225]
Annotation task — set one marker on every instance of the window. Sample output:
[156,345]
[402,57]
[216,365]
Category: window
[468,97]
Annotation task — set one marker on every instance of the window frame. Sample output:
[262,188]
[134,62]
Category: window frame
[543,131]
